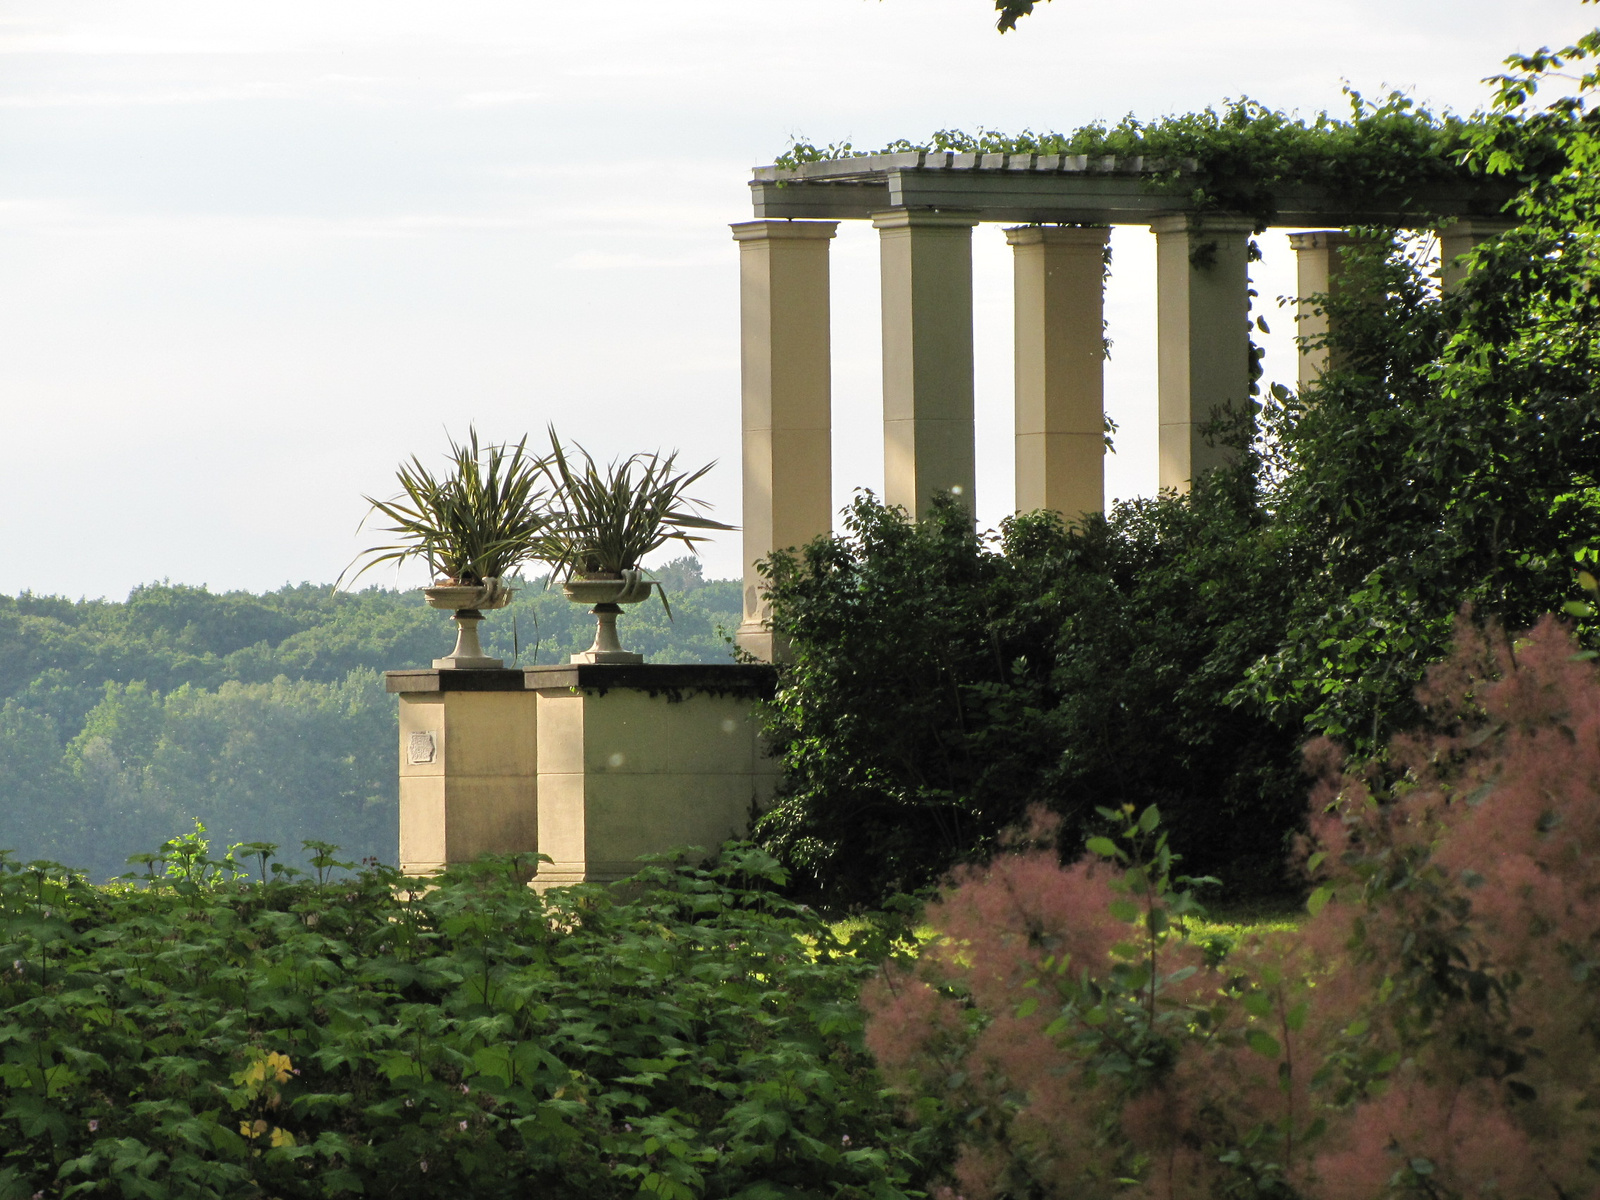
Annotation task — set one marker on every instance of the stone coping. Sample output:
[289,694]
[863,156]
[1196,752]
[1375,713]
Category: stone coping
[757,681]
[426,679]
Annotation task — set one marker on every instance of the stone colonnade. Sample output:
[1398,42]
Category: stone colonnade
[1203,335]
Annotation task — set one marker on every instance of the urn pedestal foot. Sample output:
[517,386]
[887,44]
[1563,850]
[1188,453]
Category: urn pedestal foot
[606,648]
[468,654]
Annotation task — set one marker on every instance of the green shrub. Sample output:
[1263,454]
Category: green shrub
[942,684]
[208,1033]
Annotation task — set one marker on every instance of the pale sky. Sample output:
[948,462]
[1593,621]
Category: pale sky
[254,254]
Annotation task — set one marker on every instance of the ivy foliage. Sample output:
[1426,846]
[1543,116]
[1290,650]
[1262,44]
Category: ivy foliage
[240,1029]
[1388,153]
[1011,11]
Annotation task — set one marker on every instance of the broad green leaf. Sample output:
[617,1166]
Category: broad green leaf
[1263,1043]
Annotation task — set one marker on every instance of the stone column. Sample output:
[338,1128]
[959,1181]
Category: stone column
[1319,261]
[1059,286]
[1203,336]
[1460,236]
[786,376]
[926,264]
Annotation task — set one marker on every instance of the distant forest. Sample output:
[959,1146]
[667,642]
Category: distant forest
[263,716]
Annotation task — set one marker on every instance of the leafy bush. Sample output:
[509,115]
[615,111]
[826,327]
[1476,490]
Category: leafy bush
[1430,1031]
[1454,456]
[210,1033]
[941,684]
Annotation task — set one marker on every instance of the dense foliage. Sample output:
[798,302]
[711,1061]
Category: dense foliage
[1454,458]
[262,715]
[1431,1031]
[237,1029]
[1177,651]
[941,684]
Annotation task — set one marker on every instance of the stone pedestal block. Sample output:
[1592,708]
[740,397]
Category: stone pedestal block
[594,765]
[637,761]
[467,766]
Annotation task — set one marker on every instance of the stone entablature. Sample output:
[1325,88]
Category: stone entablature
[1073,189]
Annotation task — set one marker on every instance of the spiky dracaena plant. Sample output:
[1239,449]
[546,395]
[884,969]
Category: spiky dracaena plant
[611,518]
[477,521]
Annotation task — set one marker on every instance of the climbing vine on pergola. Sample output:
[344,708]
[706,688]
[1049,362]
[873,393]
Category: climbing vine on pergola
[1387,154]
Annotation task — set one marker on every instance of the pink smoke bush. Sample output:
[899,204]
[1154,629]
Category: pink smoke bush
[1431,1029]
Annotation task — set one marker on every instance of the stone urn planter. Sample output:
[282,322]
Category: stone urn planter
[467,602]
[472,525]
[607,592]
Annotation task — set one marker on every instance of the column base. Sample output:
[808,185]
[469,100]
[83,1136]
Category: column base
[466,662]
[756,639]
[565,874]
[626,658]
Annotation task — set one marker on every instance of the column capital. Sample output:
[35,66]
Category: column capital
[922,218]
[1095,236]
[1460,236]
[1477,228]
[1203,223]
[760,231]
[1323,239]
